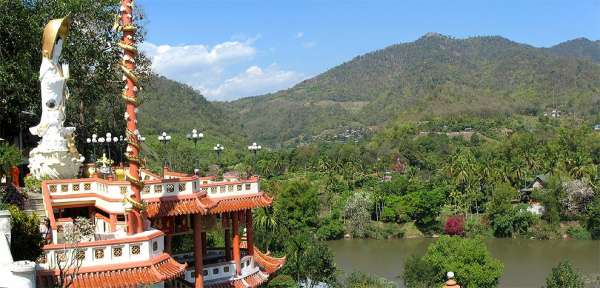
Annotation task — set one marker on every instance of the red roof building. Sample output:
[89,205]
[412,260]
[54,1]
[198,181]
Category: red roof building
[178,205]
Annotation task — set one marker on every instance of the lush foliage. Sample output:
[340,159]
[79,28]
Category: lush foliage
[433,76]
[469,259]
[95,79]
[564,276]
[26,240]
[9,156]
[361,280]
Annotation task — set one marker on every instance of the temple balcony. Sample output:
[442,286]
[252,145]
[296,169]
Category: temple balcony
[108,194]
[114,249]
[129,261]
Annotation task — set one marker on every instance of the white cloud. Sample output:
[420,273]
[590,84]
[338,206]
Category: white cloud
[255,81]
[212,70]
[299,35]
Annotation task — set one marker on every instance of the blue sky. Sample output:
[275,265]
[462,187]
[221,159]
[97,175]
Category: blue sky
[230,49]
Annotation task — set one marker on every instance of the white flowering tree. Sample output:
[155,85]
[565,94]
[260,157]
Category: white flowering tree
[71,257]
[577,195]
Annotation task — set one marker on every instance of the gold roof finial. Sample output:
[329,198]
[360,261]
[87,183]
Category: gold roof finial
[54,29]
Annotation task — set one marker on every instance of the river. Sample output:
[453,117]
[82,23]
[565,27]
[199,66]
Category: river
[526,262]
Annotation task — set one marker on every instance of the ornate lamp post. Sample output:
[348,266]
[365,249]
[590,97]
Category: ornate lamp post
[218,149]
[108,139]
[195,136]
[164,139]
[93,142]
[254,149]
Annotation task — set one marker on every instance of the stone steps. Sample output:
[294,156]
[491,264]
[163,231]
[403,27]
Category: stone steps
[34,205]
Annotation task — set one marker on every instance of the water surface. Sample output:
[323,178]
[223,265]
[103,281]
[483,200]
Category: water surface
[527,263]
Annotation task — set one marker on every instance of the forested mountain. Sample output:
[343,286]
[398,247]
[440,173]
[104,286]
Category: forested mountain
[177,108]
[435,75]
[580,48]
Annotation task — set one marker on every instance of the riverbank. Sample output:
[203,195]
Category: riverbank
[526,262]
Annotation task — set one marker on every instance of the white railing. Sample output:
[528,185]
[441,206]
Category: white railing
[221,189]
[121,249]
[224,271]
[153,188]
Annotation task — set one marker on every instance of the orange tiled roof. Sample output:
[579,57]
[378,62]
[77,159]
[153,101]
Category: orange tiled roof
[238,203]
[268,263]
[160,269]
[175,206]
[199,203]
[253,280]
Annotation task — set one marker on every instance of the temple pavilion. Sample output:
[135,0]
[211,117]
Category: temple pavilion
[175,205]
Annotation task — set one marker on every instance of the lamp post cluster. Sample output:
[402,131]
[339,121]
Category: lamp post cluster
[101,141]
[195,136]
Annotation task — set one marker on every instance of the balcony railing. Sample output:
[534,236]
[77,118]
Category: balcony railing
[155,188]
[224,271]
[120,249]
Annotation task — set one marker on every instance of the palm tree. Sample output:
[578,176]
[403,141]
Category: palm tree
[266,219]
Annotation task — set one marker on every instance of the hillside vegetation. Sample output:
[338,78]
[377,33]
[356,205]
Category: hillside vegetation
[433,76]
[177,108]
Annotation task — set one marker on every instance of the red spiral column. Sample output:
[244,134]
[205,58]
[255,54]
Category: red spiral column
[136,222]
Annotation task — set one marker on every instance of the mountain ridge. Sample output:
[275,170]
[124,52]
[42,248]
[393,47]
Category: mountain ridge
[435,75]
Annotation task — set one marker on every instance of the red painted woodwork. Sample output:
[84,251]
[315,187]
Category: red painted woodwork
[236,243]
[198,264]
[249,232]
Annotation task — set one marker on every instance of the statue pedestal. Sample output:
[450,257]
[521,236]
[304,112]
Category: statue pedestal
[56,156]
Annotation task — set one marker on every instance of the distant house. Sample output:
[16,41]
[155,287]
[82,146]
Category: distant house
[539,182]
[597,127]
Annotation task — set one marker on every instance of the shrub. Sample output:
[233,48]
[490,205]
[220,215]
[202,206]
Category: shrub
[282,281]
[468,258]
[362,280]
[564,276]
[545,231]
[32,184]
[475,228]
[26,239]
[419,274]
[331,229]
[579,233]
[455,225]
[9,156]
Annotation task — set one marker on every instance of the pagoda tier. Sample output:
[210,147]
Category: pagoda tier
[129,274]
[176,205]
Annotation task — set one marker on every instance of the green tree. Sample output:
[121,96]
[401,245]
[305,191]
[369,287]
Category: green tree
[309,261]
[90,50]
[593,222]
[469,259]
[282,281]
[9,156]
[357,214]
[564,276]
[505,218]
[297,205]
[362,280]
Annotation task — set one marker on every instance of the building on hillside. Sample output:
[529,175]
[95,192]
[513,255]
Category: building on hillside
[539,182]
[177,205]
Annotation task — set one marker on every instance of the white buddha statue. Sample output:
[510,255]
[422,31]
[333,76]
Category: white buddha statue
[55,157]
